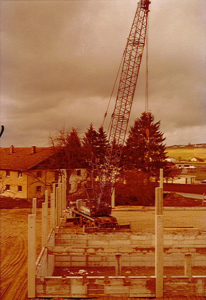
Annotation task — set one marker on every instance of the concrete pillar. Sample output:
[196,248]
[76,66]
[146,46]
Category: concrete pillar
[113,198]
[46,200]
[57,207]
[44,225]
[34,206]
[31,255]
[158,201]
[64,185]
[188,265]
[159,241]
[161,178]
[118,264]
[52,215]
[60,198]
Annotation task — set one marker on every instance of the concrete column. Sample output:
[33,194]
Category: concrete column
[31,255]
[34,206]
[113,198]
[158,201]
[161,178]
[159,241]
[118,264]
[57,207]
[52,216]
[188,265]
[44,225]
[64,183]
[60,198]
[46,200]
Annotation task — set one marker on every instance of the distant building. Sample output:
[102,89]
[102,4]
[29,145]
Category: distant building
[185,166]
[170,159]
[25,171]
[196,159]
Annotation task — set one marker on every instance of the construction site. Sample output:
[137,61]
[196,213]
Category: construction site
[166,258]
[81,245]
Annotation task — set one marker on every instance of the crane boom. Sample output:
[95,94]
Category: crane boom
[132,57]
[98,202]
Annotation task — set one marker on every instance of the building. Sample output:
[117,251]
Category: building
[26,172]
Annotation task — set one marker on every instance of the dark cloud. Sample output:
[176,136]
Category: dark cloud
[59,61]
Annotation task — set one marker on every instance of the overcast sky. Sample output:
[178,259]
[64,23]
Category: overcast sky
[59,61]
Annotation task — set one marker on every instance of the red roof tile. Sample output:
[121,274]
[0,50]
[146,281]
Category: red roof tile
[22,157]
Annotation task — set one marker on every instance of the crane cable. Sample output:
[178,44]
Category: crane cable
[146,88]
[105,115]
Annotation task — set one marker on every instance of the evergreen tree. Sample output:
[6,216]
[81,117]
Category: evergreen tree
[102,143]
[90,144]
[145,149]
[68,153]
[95,144]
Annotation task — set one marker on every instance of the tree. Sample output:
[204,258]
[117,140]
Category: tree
[145,149]
[102,144]
[68,152]
[90,144]
[95,144]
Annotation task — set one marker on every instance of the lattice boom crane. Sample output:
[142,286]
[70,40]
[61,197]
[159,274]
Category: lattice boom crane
[99,199]
[132,57]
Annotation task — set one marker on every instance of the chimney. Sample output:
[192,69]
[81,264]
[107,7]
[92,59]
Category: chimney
[33,149]
[11,151]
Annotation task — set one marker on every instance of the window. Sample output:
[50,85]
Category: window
[19,188]
[20,174]
[39,174]
[7,187]
[7,173]
[38,188]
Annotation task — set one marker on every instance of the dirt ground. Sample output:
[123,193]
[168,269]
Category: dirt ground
[13,240]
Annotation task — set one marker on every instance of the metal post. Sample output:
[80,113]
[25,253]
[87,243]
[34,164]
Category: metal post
[31,255]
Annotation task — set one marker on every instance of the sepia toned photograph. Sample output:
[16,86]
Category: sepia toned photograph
[103,149]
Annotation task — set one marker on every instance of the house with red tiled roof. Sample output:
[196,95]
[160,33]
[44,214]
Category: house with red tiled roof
[26,172]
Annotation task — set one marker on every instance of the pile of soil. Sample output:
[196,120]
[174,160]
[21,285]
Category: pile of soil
[174,200]
[10,203]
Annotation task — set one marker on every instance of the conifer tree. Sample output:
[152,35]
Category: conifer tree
[145,148]
[90,144]
[102,143]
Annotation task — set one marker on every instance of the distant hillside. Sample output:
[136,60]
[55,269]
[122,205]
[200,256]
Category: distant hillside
[181,152]
[203,145]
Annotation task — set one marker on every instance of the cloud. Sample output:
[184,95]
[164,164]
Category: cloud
[59,61]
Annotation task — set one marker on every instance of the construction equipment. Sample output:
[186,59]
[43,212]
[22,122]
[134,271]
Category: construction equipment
[98,199]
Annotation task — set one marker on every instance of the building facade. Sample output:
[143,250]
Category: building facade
[26,172]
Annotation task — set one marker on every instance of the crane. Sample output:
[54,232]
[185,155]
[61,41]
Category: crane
[98,201]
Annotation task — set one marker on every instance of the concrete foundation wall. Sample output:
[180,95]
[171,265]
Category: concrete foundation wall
[131,286]
[136,250]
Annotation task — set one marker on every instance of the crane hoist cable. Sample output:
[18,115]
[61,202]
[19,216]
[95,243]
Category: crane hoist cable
[147,73]
[115,82]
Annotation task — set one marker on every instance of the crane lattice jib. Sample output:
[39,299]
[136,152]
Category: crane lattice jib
[128,79]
